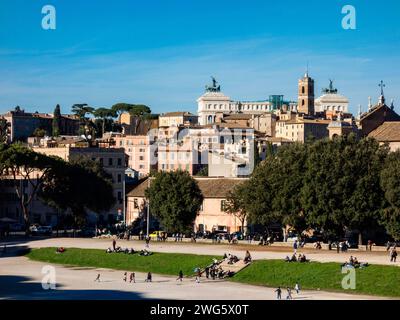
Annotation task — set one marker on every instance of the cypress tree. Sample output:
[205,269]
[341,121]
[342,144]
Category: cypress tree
[56,121]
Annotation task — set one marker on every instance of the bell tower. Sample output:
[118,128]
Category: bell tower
[306,95]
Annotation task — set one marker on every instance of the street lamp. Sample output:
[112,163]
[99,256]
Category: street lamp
[148,209]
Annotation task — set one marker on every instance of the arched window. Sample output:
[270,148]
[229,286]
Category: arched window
[303,90]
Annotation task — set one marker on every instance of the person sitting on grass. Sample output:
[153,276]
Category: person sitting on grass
[109,250]
[293,259]
[144,253]
[287,259]
[247,257]
[60,250]
[303,258]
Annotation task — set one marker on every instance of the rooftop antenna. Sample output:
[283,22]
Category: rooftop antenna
[382,97]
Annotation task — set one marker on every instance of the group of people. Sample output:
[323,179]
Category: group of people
[353,262]
[178,237]
[289,292]
[295,258]
[132,277]
[232,259]
[121,250]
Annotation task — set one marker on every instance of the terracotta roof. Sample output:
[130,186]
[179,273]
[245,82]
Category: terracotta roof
[388,131]
[303,121]
[239,117]
[177,114]
[227,125]
[210,187]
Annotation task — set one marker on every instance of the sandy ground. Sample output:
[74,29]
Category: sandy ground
[21,278]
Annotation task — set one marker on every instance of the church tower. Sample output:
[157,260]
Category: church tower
[306,95]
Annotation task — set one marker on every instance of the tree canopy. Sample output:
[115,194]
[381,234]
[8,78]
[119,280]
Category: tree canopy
[175,199]
[56,121]
[81,185]
[329,185]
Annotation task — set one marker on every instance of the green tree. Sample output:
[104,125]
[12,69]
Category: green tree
[390,183]
[341,188]
[175,200]
[27,171]
[81,111]
[235,203]
[104,114]
[56,121]
[70,186]
[39,133]
[121,107]
[3,130]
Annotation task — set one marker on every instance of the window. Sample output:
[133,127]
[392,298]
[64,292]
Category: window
[101,161]
[141,150]
[223,205]
[119,178]
[119,161]
[302,89]
[110,161]
[141,158]
[119,196]
[141,166]
[135,203]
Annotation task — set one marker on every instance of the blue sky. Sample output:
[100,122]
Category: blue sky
[163,52]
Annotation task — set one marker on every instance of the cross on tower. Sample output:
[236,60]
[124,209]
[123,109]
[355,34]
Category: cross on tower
[382,85]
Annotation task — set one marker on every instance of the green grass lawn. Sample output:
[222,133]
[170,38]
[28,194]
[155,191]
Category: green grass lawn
[374,280]
[161,263]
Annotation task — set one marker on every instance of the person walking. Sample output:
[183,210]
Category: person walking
[149,277]
[297,288]
[278,293]
[207,272]
[132,278]
[114,244]
[97,278]
[180,276]
[198,275]
[289,294]
[393,256]
[295,246]
[125,276]
[147,242]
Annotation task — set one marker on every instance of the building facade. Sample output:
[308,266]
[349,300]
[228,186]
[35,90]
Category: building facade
[141,152]
[305,103]
[23,124]
[331,101]
[213,103]
[211,216]
[300,129]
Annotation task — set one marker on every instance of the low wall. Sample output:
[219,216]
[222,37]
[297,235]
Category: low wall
[255,243]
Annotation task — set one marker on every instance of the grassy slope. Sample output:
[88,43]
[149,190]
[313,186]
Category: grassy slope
[374,280]
[161,263]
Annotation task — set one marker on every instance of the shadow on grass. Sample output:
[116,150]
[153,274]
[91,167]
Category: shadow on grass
[22,288]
